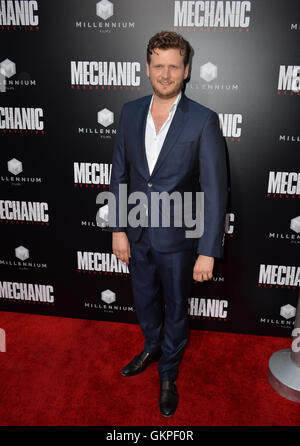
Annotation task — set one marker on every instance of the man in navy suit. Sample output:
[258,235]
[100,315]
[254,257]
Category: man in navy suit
[168,143]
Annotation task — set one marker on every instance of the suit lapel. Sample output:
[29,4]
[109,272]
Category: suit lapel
[173,134]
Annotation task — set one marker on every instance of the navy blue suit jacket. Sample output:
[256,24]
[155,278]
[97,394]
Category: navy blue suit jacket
[192,159]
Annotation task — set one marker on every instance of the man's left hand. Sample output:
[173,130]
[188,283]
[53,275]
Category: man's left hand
[203,269]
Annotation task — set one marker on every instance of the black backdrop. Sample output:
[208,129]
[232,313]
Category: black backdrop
[66,69]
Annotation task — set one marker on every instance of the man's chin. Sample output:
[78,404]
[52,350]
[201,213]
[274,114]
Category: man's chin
[167,94]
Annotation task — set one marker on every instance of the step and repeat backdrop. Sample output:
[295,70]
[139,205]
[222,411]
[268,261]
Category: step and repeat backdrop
[66,69]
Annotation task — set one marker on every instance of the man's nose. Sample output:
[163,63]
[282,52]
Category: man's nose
[165,72]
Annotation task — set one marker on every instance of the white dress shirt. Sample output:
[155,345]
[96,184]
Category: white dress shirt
[154,141]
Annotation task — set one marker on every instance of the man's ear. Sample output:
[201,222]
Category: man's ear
[148,69]
[186,71]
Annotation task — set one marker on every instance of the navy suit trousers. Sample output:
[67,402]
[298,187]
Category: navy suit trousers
[161,284]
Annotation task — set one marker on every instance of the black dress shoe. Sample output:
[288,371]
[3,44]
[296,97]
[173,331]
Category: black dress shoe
[139,363]
[168,399]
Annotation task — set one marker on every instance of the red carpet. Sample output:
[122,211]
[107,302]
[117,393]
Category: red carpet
[65,372]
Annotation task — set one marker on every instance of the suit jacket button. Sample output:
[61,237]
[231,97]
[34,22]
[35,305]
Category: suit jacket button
[150,184]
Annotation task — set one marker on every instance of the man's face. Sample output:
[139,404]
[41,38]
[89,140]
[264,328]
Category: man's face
[166,72]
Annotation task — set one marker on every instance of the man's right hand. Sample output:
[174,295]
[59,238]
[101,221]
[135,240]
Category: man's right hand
[121,246]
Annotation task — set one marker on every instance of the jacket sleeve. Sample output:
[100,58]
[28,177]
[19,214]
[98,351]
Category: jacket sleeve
[119,176]
[213,183]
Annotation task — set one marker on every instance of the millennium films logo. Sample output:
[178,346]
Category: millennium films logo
[103,20]
[21,120]
[101,263]
[100,221]
[295,27]
[279,276]
[283,184]
[287,319]
[230,124]
[19,15]
[105,129]
[36,293]
[105,75]
[207,80]
[15,168]
[290,139]
[291,237]
[212,15]
[108,303]
[22,261]
[289,80]
[212,309]
[10,80]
